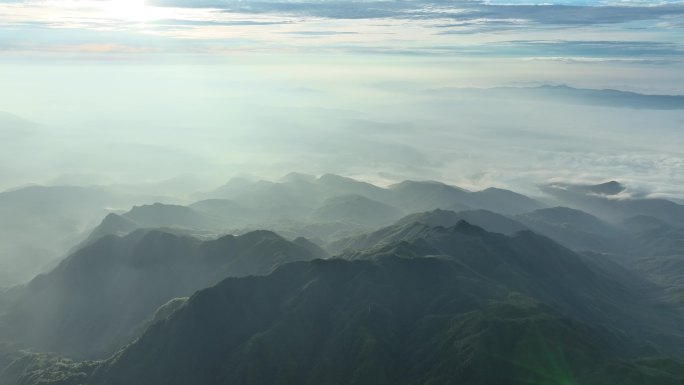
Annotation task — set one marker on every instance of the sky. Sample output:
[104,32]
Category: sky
[475,93]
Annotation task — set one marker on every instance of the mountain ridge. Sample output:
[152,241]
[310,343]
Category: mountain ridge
[64,310]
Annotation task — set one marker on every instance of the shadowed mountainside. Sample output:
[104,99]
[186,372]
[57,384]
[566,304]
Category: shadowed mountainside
[92,303]
[39,224]
[524,305]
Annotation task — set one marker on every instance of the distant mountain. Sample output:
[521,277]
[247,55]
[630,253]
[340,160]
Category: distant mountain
[488,220]
[667,271]
[504,201]
[644,223]
[225,208]
[422,196]
[338,206]
[315,250]
[296,197]
[416,225]
[39,224]
[385,235]
[617,210]
[233,187]
[572,228]
[332,219]
[15,127]
[319,233]
[607,188]
[176,189]
[571,218]
[339,185]
[219,216]
[308,193]
[606,97]
[91,303]
[437,297]
[171,218]
[655,237]
[570,95]
[579,230]
[298,177]
[292,198]
[531,309]
[113,224]
[356,209]
[159,215]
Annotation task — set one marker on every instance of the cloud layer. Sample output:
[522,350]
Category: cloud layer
[453,90]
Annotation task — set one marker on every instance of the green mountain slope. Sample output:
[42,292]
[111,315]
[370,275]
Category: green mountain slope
[387,320]
[39,224]
[579,230]
[441,306]
[95,299]
[356,209]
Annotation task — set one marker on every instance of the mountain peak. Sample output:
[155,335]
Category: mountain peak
[338,180]
[608,188]
[254,235]
[298,177]
[334,177]
[464,227]
[407,183]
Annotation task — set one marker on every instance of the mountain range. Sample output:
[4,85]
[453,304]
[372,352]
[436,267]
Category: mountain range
[58,216]
[98,298]
[440,307]
[415,283]
[571,95]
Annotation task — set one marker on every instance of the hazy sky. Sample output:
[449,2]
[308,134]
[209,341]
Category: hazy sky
[122,90]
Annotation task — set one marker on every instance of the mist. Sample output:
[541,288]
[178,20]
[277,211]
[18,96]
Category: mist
[341,192]
[382,119]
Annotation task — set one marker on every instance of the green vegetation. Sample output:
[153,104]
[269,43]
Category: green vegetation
[440,297]
[98,299]
[387,321]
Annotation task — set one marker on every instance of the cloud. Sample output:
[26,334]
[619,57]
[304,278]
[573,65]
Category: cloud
[407,28]
[581,15]
[587,59]
[103,48]
[553,14]
[329,9]
[570,95]
[320,33]
[214,23]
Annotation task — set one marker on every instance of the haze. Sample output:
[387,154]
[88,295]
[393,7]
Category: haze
[341,192]
[111,92]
